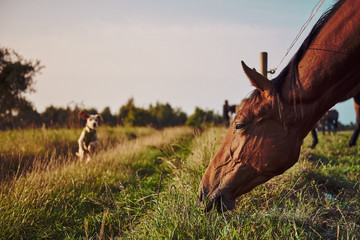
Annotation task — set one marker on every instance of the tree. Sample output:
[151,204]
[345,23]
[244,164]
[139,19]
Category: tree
[159,116]
[108,118]
[24,116]
[130,115]
[56,117]
[200,117]
[163,115]
[16,78]
[125,110]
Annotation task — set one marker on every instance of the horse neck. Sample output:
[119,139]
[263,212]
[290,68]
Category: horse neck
[329,70]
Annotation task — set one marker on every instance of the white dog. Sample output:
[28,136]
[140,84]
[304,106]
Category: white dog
[88,138]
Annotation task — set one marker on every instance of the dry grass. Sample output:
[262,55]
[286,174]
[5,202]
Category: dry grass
[146,188]
[23,150]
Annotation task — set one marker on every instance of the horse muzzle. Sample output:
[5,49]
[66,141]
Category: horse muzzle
[220,202]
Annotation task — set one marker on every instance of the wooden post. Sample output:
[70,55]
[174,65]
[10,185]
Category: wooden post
[263,63]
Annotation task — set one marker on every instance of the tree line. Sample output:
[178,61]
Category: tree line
[17,78]
[157,116]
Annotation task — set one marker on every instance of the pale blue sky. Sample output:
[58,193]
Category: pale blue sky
[186,53]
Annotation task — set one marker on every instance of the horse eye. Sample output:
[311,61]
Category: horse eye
[239,126]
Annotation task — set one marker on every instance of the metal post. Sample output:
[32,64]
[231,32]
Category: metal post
[263,63]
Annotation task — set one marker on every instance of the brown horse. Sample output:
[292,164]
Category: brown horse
[265,138]
[327,122]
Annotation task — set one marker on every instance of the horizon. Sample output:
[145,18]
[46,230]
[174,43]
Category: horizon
[184,53]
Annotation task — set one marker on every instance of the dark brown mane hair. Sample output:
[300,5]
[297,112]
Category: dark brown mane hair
[292,68]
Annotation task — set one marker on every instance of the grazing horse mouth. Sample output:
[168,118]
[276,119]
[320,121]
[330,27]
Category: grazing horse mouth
[220,202]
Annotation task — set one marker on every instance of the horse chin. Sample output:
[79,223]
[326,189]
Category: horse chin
[221,203]
[224,204]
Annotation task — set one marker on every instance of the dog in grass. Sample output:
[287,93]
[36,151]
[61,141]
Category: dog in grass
[88,138]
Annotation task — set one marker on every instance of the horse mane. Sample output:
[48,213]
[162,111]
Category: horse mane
[291,69]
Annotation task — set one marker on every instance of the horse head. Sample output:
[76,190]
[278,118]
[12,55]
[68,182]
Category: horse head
[266,135]
[257,147]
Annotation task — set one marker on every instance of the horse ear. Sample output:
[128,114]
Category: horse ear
[256,79]
[83,115]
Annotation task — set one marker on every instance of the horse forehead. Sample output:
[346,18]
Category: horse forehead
[254,109]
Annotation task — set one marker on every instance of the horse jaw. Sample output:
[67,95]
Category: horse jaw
[223,195]
[246,160]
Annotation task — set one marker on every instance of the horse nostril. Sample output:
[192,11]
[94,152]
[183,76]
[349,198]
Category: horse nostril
[220,206]
[201,198]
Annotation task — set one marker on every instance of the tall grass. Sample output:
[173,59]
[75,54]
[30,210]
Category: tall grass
[316,199]
[71,200]
[146,188]
[22,150]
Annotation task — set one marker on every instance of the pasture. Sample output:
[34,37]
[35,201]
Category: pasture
[143,184]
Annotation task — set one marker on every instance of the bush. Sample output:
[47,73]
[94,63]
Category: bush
[201,117]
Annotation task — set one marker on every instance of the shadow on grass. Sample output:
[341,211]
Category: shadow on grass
[15,165]
[326,181]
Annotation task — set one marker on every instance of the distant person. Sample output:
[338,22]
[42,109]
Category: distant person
[226,117]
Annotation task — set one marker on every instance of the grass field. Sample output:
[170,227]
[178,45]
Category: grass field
[143,184]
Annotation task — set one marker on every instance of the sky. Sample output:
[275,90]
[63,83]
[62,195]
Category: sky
[186,53]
